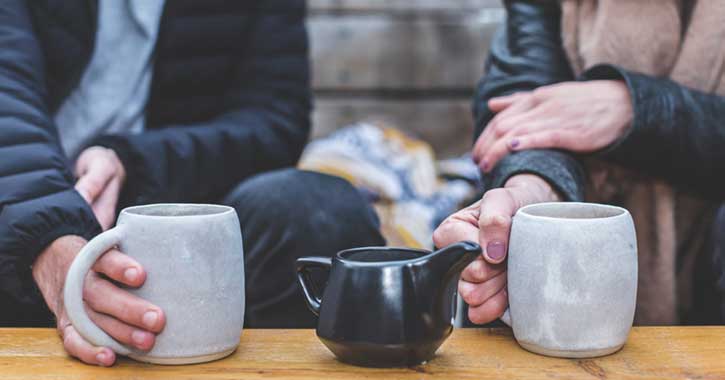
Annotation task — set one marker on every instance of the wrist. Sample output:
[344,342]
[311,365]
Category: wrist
[537,189]
[51,266]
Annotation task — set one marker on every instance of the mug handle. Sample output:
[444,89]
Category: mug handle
[303,276]
[73,291]
[506,317]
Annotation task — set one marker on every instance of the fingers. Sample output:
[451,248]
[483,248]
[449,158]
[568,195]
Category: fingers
[479,271]
[121,268]
[78,347]
[476,294]
[94,181]
[461,226]
[548,139]
[490,310]
[122,332]
[495,130]
[104,207]
[499,103]
[104,297]
[497,208]
[94,168]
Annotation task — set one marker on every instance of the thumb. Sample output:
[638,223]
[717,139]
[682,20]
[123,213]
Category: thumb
[91,184]
[494,222]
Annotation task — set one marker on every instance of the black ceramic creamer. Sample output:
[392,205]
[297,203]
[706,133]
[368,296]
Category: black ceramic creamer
[386,307]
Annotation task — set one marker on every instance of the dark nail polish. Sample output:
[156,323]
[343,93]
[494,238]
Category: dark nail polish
[484,165]
[496,250]
[514,143]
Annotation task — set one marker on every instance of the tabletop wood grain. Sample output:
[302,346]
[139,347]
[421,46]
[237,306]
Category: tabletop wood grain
[650,353]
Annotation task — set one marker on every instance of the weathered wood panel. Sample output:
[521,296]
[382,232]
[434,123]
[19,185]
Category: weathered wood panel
[400,5]
[411,63]
[445,124]
[351,52]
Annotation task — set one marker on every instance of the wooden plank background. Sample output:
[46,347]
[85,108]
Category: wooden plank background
[411,63]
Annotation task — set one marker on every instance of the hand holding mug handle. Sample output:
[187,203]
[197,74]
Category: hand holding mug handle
[73,291]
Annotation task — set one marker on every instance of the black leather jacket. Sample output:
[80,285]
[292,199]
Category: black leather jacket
[677,133]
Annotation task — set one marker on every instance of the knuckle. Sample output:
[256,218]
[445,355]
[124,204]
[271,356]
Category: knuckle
[495,221]
[493,194]
[521,130]
[555,137]
[93,185]
[68,343]
[540,93]
[465,292]
[478,270]
[91,290]
[499,304]
[439,235]
[499,129]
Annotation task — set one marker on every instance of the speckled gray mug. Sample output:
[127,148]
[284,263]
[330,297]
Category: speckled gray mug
[572,278]
[193,258]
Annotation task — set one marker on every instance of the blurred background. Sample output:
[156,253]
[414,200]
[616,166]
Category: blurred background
[410,63]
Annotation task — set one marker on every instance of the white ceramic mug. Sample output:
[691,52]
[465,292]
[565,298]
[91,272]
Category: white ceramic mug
[193,257]
[572,278]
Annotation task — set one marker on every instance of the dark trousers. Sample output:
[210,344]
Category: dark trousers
[287,214]
[709,279]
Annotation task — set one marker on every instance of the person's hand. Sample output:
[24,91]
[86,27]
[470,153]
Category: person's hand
[581,117]
[488,221]
[127,318]
[100,178]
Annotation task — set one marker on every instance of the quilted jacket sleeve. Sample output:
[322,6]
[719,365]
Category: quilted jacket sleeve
[37,200]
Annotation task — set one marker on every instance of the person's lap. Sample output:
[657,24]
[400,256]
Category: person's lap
[715,262]
[286,214]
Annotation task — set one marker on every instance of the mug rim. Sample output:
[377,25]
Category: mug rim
[220,210]
[525,211]
[339,255]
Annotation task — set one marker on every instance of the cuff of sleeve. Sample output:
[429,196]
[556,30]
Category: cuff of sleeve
[561,171]
[34,224]
[28,227]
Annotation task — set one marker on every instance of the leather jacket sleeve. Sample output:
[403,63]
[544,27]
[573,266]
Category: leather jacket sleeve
[527,53]
[677,133]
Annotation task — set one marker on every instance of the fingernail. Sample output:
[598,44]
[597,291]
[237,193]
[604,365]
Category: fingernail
[101,357]
[131,274]
[484,165]
[496,250]
[514,143]
[149,319]
[138,337]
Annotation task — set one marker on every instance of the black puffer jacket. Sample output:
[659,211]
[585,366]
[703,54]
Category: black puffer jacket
[677,133]
[229,98]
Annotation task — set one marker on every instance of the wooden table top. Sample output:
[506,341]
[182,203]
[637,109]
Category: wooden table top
[650,353]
